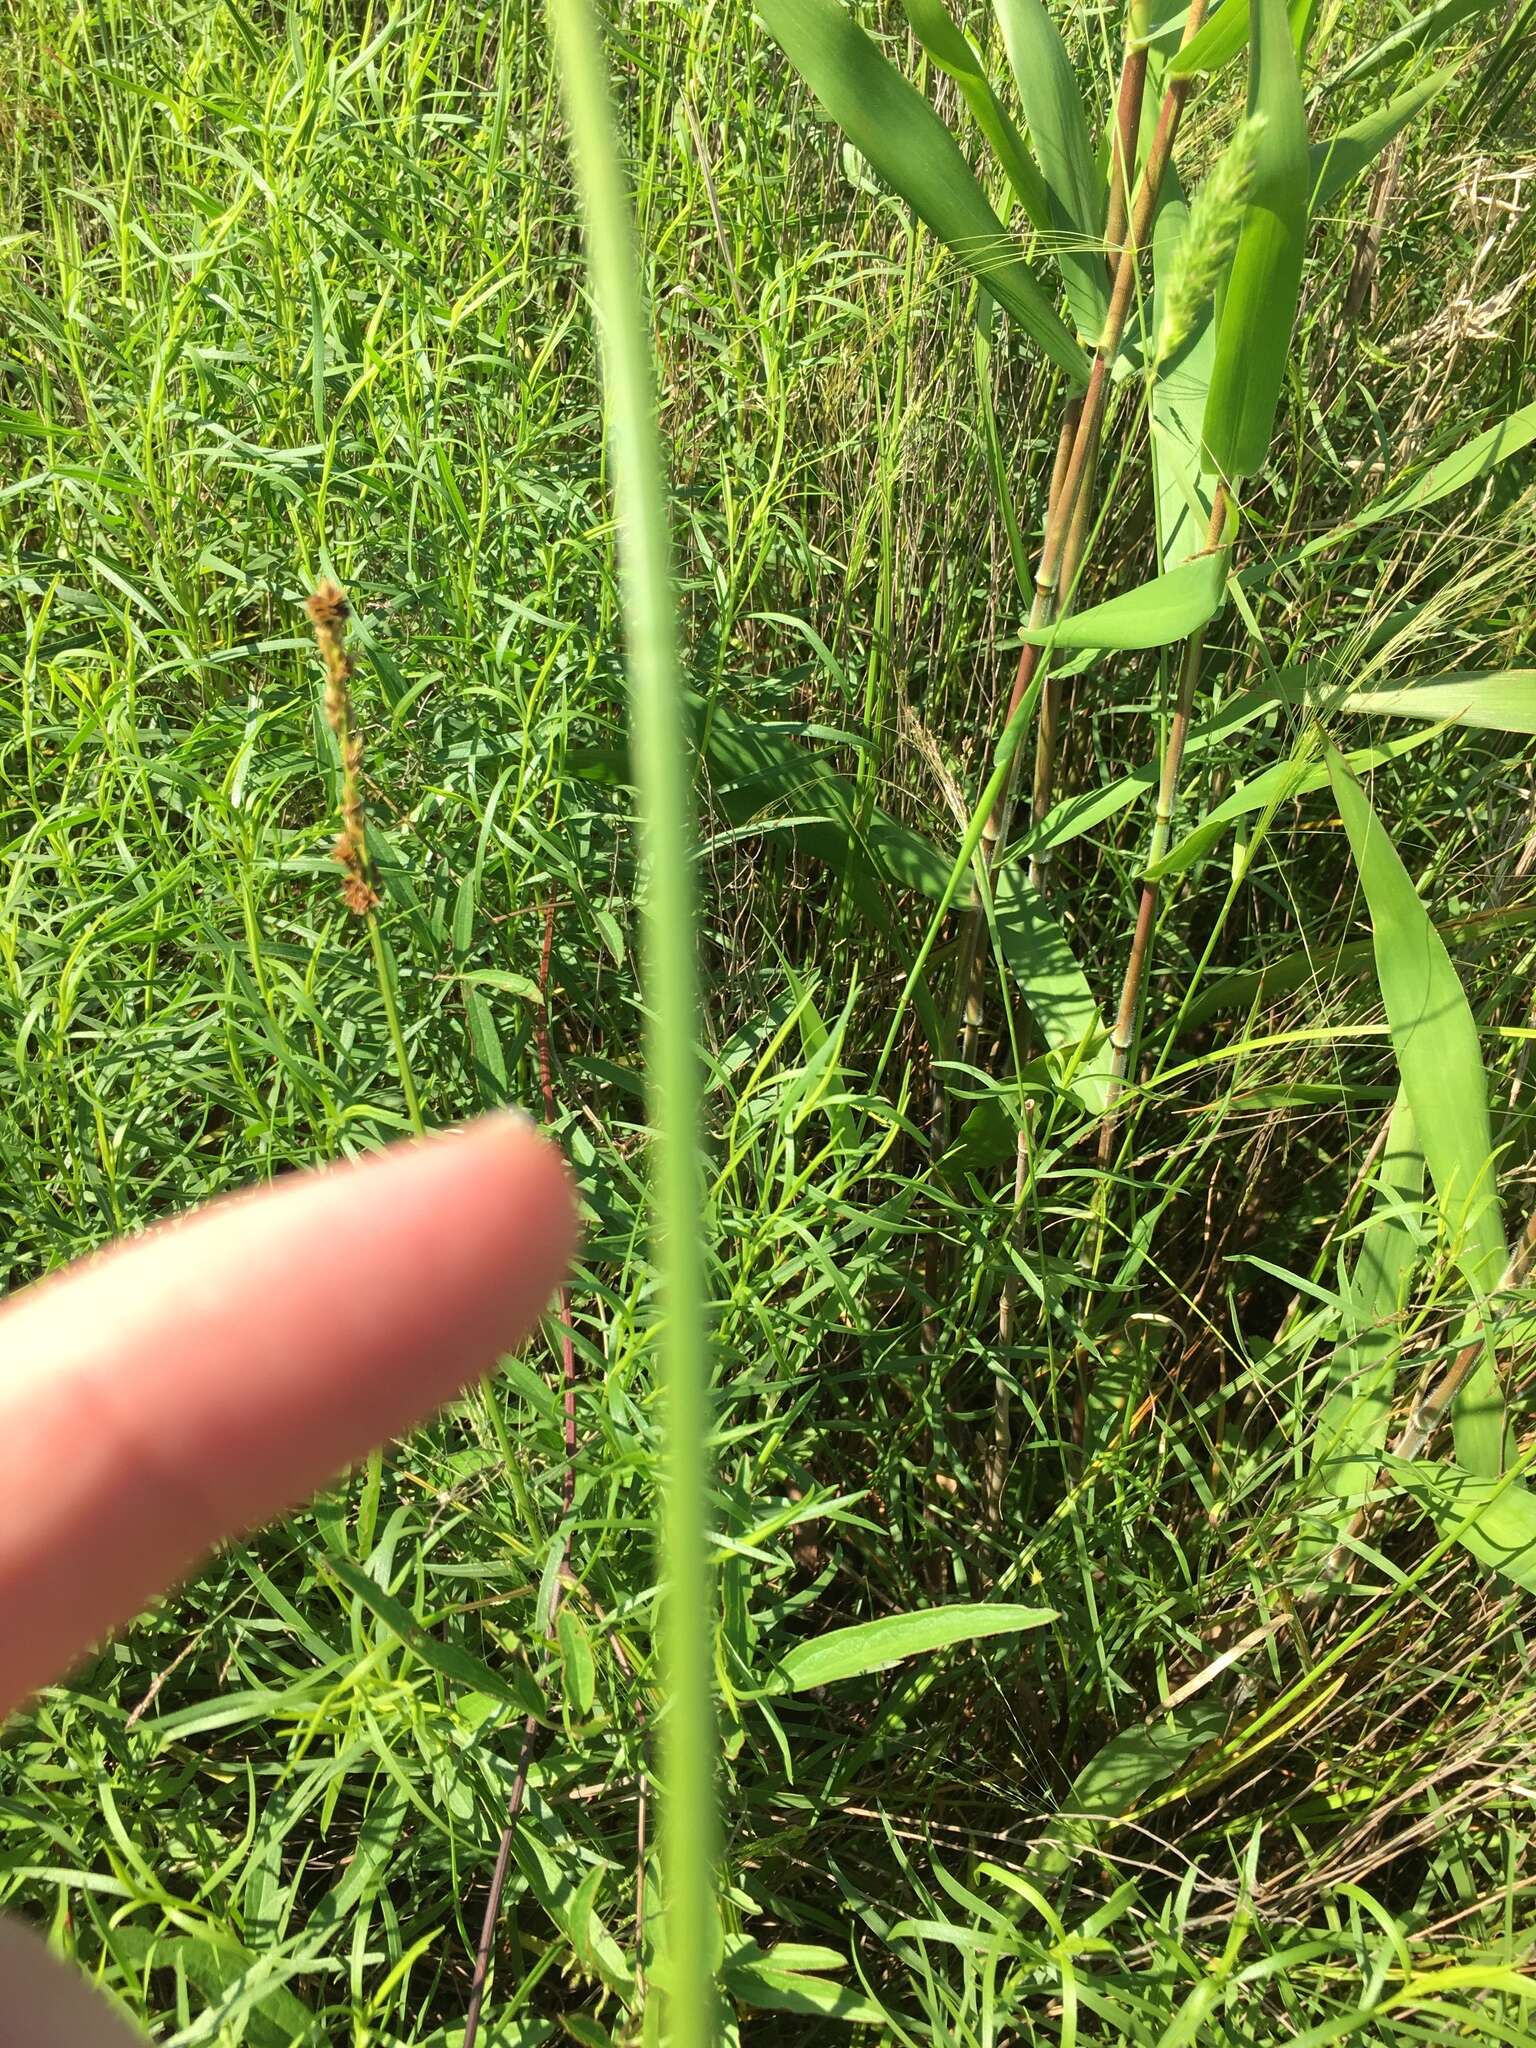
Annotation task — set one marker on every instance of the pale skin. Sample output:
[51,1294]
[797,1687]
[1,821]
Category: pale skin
[194,1383]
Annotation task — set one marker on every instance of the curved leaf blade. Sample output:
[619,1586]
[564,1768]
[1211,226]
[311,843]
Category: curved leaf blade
[900,135]
[1351,1430]
[1258,306]
[1179,393]
[1052,983]
[1495,1519]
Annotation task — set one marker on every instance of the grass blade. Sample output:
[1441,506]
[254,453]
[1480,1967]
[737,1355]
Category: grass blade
[894,127]
[1469,464]
[1435,1039]
[1053,111]
[1258,307]
[1179,393]
[1052,983]
[661,756]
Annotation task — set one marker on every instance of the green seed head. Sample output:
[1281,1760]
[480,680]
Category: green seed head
[1215,216]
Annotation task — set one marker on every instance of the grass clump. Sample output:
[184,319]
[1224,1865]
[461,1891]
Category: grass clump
[1108,1592]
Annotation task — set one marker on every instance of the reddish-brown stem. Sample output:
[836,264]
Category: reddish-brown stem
[1133,85]
[1124,1033]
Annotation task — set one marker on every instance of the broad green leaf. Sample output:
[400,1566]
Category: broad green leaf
[1468,464]
[1500,700]
[1441,1065]
[900,135]
[1130,1765]
[1179,392]
[1167,609]
[1258,305]
[1338,161]
[951,50]
[1351,1430]
[1053,112]
[876,1645]
[1298,776]
[511,1686]
[1050,980]
[237,1980]
[1493,1518]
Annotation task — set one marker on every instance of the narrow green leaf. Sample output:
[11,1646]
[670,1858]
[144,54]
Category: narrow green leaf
[1351,1430]
[1258,307]
[1493,1518]
[1311,964]
[1053,112]
[1218,41]
[876,1645]
[512,1687]
[951,50]
[997,462]
[1338,161]
[1128,1767]
[1157,614]
[896,130]
[1441,1064]
[777,1980]
[1499,700]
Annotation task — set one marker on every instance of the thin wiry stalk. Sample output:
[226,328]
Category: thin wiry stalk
[661,758]
[1123,1035]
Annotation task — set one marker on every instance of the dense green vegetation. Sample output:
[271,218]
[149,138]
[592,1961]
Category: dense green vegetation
[1194,1351]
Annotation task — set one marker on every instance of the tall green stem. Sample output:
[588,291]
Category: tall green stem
[659,745]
